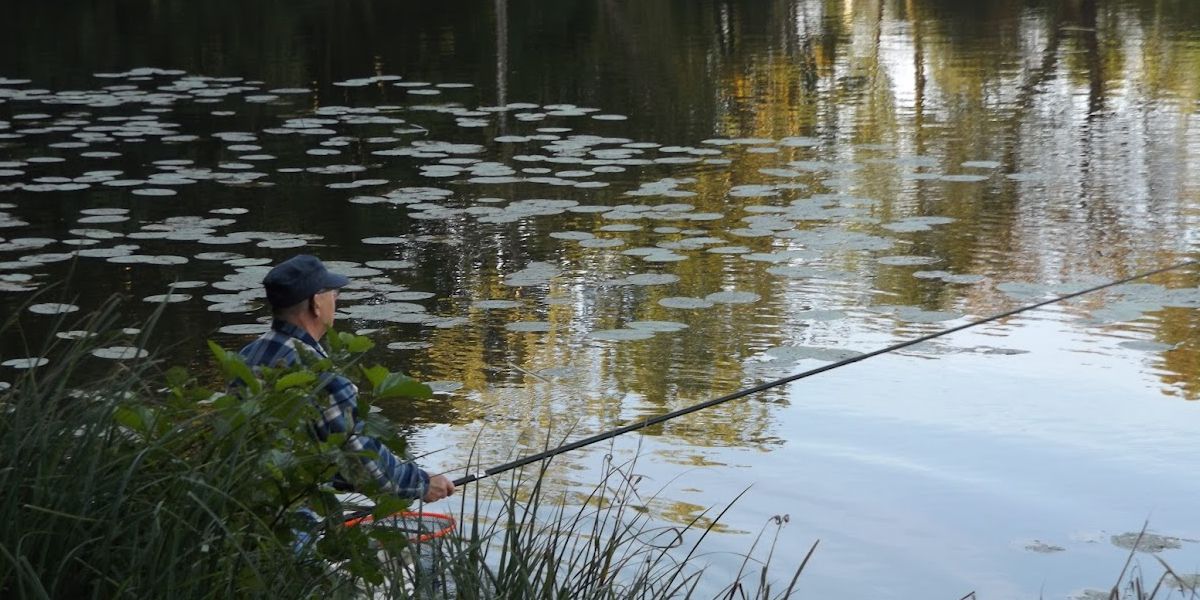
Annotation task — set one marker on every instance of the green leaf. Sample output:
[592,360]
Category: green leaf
[198,394]
[234,367]
[218,352]
[335,340]
[399,385]
[389,539]
[388,505]
[239,370]
[296,379]
[344,340]
[375,375]
[177,376]
[131,417]
[359,344]
[225,402]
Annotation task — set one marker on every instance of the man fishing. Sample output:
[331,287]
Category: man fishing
[303,297]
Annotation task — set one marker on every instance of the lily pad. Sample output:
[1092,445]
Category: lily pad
[495,304]
[797,271]
[444,387]
[916,315]
[52,308]
[685,302]
[390,264]
[733,297]
[916,224]
[656,326]
[25,363]
[234,307]
[1146,345]
[218,256]
[948,277]
[1188,583]
[154,192]
[621,227]
[536,273]
[1146,542]
[120,352]
[906,261]
[407,296]
[663,256]
[652,279]
[728,250]
[385,240]
[751,232]
[282,243]
[795,353]
[981,164]
[1022,290]
[602,243]
[185,285]
[1043,548]
[446,322]
[572,235]
[397,312]
[167,298]
[245,329]
[75,334]
[145,259]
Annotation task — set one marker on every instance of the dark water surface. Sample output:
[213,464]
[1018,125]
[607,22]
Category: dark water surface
[570,215]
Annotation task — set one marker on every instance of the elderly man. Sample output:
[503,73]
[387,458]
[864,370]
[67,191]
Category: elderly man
[303,297]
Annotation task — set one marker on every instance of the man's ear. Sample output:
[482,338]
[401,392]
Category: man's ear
[312,306]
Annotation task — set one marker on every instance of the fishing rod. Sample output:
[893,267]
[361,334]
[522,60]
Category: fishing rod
[520,462]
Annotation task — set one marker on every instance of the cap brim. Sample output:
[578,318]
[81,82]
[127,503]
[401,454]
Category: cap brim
[333,281]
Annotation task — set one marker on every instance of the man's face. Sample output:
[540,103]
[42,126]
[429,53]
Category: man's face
[326,304]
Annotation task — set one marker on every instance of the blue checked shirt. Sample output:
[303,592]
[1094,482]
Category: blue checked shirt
[277,348]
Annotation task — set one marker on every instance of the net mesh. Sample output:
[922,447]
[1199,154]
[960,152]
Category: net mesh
[418,526]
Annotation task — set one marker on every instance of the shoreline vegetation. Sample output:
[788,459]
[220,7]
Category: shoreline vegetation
[150,482]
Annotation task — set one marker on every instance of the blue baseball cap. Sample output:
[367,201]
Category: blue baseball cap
[299,278]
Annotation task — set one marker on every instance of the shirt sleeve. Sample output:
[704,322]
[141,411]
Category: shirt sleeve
[395,476]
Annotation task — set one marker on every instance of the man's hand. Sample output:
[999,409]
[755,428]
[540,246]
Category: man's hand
[439,487]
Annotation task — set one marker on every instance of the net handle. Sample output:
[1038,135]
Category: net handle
[424,537]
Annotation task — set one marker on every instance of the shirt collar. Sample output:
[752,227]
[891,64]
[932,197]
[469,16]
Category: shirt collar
[295,331]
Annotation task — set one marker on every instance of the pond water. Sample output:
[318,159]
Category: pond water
[568,216]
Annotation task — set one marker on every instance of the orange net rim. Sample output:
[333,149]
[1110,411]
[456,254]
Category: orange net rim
[411,514]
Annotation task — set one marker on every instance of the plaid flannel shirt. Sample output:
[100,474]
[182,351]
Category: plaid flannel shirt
[277,348]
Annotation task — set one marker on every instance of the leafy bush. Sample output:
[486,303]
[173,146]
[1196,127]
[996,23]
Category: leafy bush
[119,485]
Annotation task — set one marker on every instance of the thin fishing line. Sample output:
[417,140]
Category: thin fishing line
[520,462]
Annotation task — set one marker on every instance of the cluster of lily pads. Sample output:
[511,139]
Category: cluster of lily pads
[798,219]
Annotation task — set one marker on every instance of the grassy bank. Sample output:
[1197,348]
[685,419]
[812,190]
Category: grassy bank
[127,479]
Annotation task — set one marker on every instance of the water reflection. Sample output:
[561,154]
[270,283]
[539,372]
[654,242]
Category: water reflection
[907,104]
